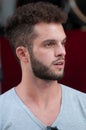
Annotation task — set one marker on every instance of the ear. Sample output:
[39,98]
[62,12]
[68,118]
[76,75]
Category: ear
[22,53]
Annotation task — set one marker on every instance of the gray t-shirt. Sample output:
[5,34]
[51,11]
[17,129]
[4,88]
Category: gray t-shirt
[14,115]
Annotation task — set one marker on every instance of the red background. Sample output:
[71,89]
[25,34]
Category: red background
[75,70]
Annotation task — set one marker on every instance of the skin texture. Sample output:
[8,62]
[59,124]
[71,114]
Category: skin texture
[41,70]
[49,50]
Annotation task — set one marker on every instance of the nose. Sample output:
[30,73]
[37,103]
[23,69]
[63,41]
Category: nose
[60,50]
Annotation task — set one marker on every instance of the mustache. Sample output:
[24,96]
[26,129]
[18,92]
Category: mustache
[59,60]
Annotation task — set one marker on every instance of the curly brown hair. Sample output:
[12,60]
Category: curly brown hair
[19,29]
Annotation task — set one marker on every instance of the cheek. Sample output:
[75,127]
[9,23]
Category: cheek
[45,57]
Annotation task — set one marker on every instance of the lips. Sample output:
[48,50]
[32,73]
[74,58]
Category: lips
[59,63]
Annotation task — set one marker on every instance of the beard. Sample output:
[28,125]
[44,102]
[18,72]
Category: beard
[42,71]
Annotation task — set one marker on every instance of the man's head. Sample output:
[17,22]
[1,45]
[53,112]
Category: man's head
[20,27]
[34,26]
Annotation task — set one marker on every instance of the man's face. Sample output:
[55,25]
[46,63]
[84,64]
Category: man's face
[48,53]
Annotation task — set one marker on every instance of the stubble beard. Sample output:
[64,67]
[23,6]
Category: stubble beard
[42,71]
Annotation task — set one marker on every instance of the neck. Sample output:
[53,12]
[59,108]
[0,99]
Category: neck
[39,91]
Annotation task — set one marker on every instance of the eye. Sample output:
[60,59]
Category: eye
[50,44]
[64,43]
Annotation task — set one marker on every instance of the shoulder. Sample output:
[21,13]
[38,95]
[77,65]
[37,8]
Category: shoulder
[8,104]
[73,106]
[72,90]
[74,95]
[6,97]
[7,93]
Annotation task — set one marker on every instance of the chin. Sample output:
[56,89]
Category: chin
[60,72]
[60,75]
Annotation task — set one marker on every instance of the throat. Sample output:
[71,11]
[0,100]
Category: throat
[44,106]
[48,114]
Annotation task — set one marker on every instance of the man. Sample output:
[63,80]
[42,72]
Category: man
[39,102]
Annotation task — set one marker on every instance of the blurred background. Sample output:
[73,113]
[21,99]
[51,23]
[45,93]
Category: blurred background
[76,10]
[75,70]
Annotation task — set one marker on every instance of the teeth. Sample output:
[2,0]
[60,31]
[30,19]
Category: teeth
[60,63]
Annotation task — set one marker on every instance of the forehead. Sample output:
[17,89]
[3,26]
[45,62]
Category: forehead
[50,30]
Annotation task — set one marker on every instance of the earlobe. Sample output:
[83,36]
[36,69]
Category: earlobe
[22,53]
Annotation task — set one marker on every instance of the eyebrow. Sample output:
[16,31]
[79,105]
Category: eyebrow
[49,40]
[53,40]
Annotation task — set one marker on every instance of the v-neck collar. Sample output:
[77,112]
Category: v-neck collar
[33,117]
